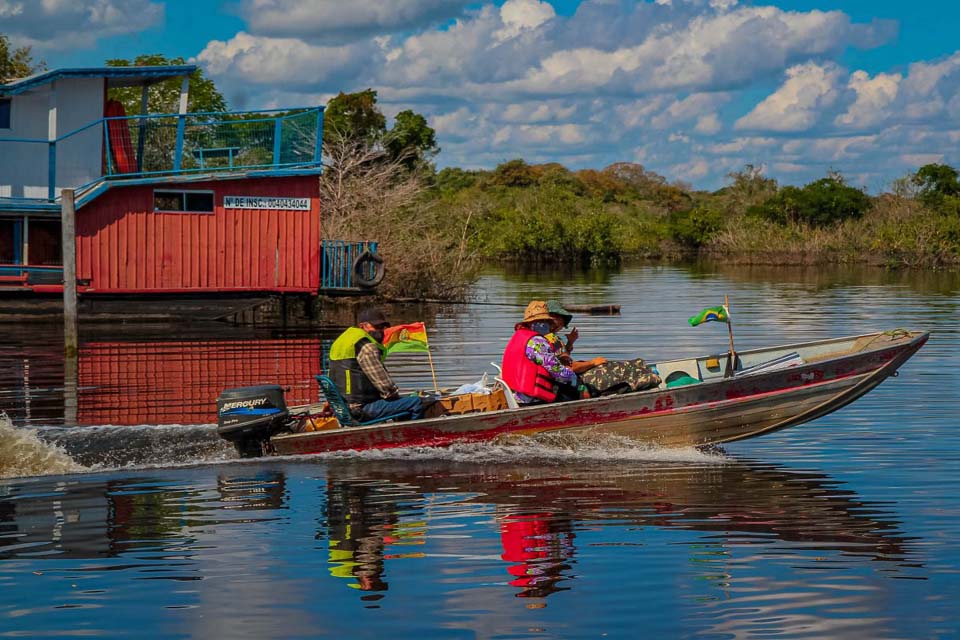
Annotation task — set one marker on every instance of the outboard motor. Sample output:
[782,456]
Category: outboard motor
[248,416]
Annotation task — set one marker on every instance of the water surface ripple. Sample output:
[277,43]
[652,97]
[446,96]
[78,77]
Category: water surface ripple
[135,521]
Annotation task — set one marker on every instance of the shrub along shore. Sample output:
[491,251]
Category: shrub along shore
[437,229]
[548,213]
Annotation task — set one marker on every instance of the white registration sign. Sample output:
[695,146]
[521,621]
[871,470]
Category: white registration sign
[266,202]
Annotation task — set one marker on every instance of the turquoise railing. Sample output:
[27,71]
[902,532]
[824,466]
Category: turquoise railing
[337,263]
[165,144]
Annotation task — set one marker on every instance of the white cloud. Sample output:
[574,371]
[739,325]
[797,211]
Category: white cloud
[708,124]
[693,107]
[874,96]
[550,136]
[920,159]
[740,145]
[522,15]
[693,170]
[798,103]
[344,20]
[245,63]
[69,24]
[534,112]
[709,51]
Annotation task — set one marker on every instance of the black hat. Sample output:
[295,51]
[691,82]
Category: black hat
[373,316]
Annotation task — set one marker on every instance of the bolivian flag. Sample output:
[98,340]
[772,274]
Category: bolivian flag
[711,314]
[405,338]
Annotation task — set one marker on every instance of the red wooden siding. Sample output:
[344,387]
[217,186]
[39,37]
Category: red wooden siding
[132,383]
[123,246]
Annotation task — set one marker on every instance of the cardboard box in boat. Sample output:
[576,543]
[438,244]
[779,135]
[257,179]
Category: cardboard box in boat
[467,403]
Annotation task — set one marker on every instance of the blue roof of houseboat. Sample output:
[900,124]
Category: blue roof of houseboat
[116,76]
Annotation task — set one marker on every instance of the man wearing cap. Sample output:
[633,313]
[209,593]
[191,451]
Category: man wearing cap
[356,367]
[531,367]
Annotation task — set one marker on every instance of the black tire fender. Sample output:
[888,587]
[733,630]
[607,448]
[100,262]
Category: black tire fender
[360,270]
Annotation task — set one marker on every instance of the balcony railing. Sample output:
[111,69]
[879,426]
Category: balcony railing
[169,144]
[25,275]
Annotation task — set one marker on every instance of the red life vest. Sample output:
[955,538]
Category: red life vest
[524,375]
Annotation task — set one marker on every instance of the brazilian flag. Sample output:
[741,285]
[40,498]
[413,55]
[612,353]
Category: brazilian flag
[710,314]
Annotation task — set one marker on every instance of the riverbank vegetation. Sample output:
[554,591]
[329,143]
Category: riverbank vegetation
[546,212]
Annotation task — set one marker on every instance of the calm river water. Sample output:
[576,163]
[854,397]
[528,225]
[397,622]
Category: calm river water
[122,514]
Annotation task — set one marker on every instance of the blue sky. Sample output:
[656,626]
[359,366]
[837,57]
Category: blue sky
[692,89]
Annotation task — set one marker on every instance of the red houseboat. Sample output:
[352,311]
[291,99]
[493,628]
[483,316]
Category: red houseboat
[175,211]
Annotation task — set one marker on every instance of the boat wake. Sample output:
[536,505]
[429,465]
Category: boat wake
[61,450]
[23,453]
[107,447]
[554,449]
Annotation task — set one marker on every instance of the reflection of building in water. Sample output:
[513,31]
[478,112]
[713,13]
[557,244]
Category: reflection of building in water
[539,545]
[130,383]
[362,520]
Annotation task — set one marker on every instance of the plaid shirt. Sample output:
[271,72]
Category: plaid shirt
[369,360]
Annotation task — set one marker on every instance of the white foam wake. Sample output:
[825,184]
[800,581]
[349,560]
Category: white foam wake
[544,449]
[22,453]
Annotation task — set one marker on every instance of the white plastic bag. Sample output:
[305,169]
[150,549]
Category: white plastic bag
[480,386]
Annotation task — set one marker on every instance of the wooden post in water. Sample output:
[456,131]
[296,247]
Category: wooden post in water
[69,237]
[70,329]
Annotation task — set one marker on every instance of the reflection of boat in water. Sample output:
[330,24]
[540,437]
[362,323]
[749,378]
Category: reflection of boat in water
[767,390]
[539,509]
[376,520]
[729,497]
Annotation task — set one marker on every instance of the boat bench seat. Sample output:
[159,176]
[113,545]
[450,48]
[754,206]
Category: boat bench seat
[341,409]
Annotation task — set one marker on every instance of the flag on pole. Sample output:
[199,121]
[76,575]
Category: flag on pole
[711,314]
[405,338]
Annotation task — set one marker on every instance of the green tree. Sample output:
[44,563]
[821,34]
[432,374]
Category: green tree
[748,187]
[164,97]
[821,203]
[354,116]
[17,62]
[453,179]
[934,182]
[411,139]
[696,227]
[514,173]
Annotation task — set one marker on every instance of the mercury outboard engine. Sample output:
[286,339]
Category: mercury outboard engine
[248,416]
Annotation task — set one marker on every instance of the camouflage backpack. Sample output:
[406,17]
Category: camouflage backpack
[619,376]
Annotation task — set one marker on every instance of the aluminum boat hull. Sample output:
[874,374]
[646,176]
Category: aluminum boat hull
[833,373]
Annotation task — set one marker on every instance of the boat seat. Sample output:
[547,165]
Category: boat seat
[507,391]
[341,409]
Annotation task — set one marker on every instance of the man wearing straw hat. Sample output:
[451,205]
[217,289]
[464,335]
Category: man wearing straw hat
[531,368]
[356,367]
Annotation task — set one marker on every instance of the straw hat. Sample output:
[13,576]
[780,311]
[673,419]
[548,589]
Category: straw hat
[536,310]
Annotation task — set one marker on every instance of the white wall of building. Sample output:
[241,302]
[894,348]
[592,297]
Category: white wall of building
[24,166]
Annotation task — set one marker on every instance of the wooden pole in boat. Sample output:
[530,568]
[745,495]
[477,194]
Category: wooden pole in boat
[69,243]
[433,372]
[732,360]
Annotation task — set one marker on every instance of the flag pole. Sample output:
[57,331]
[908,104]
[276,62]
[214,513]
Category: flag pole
[433,372]
[731,361]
